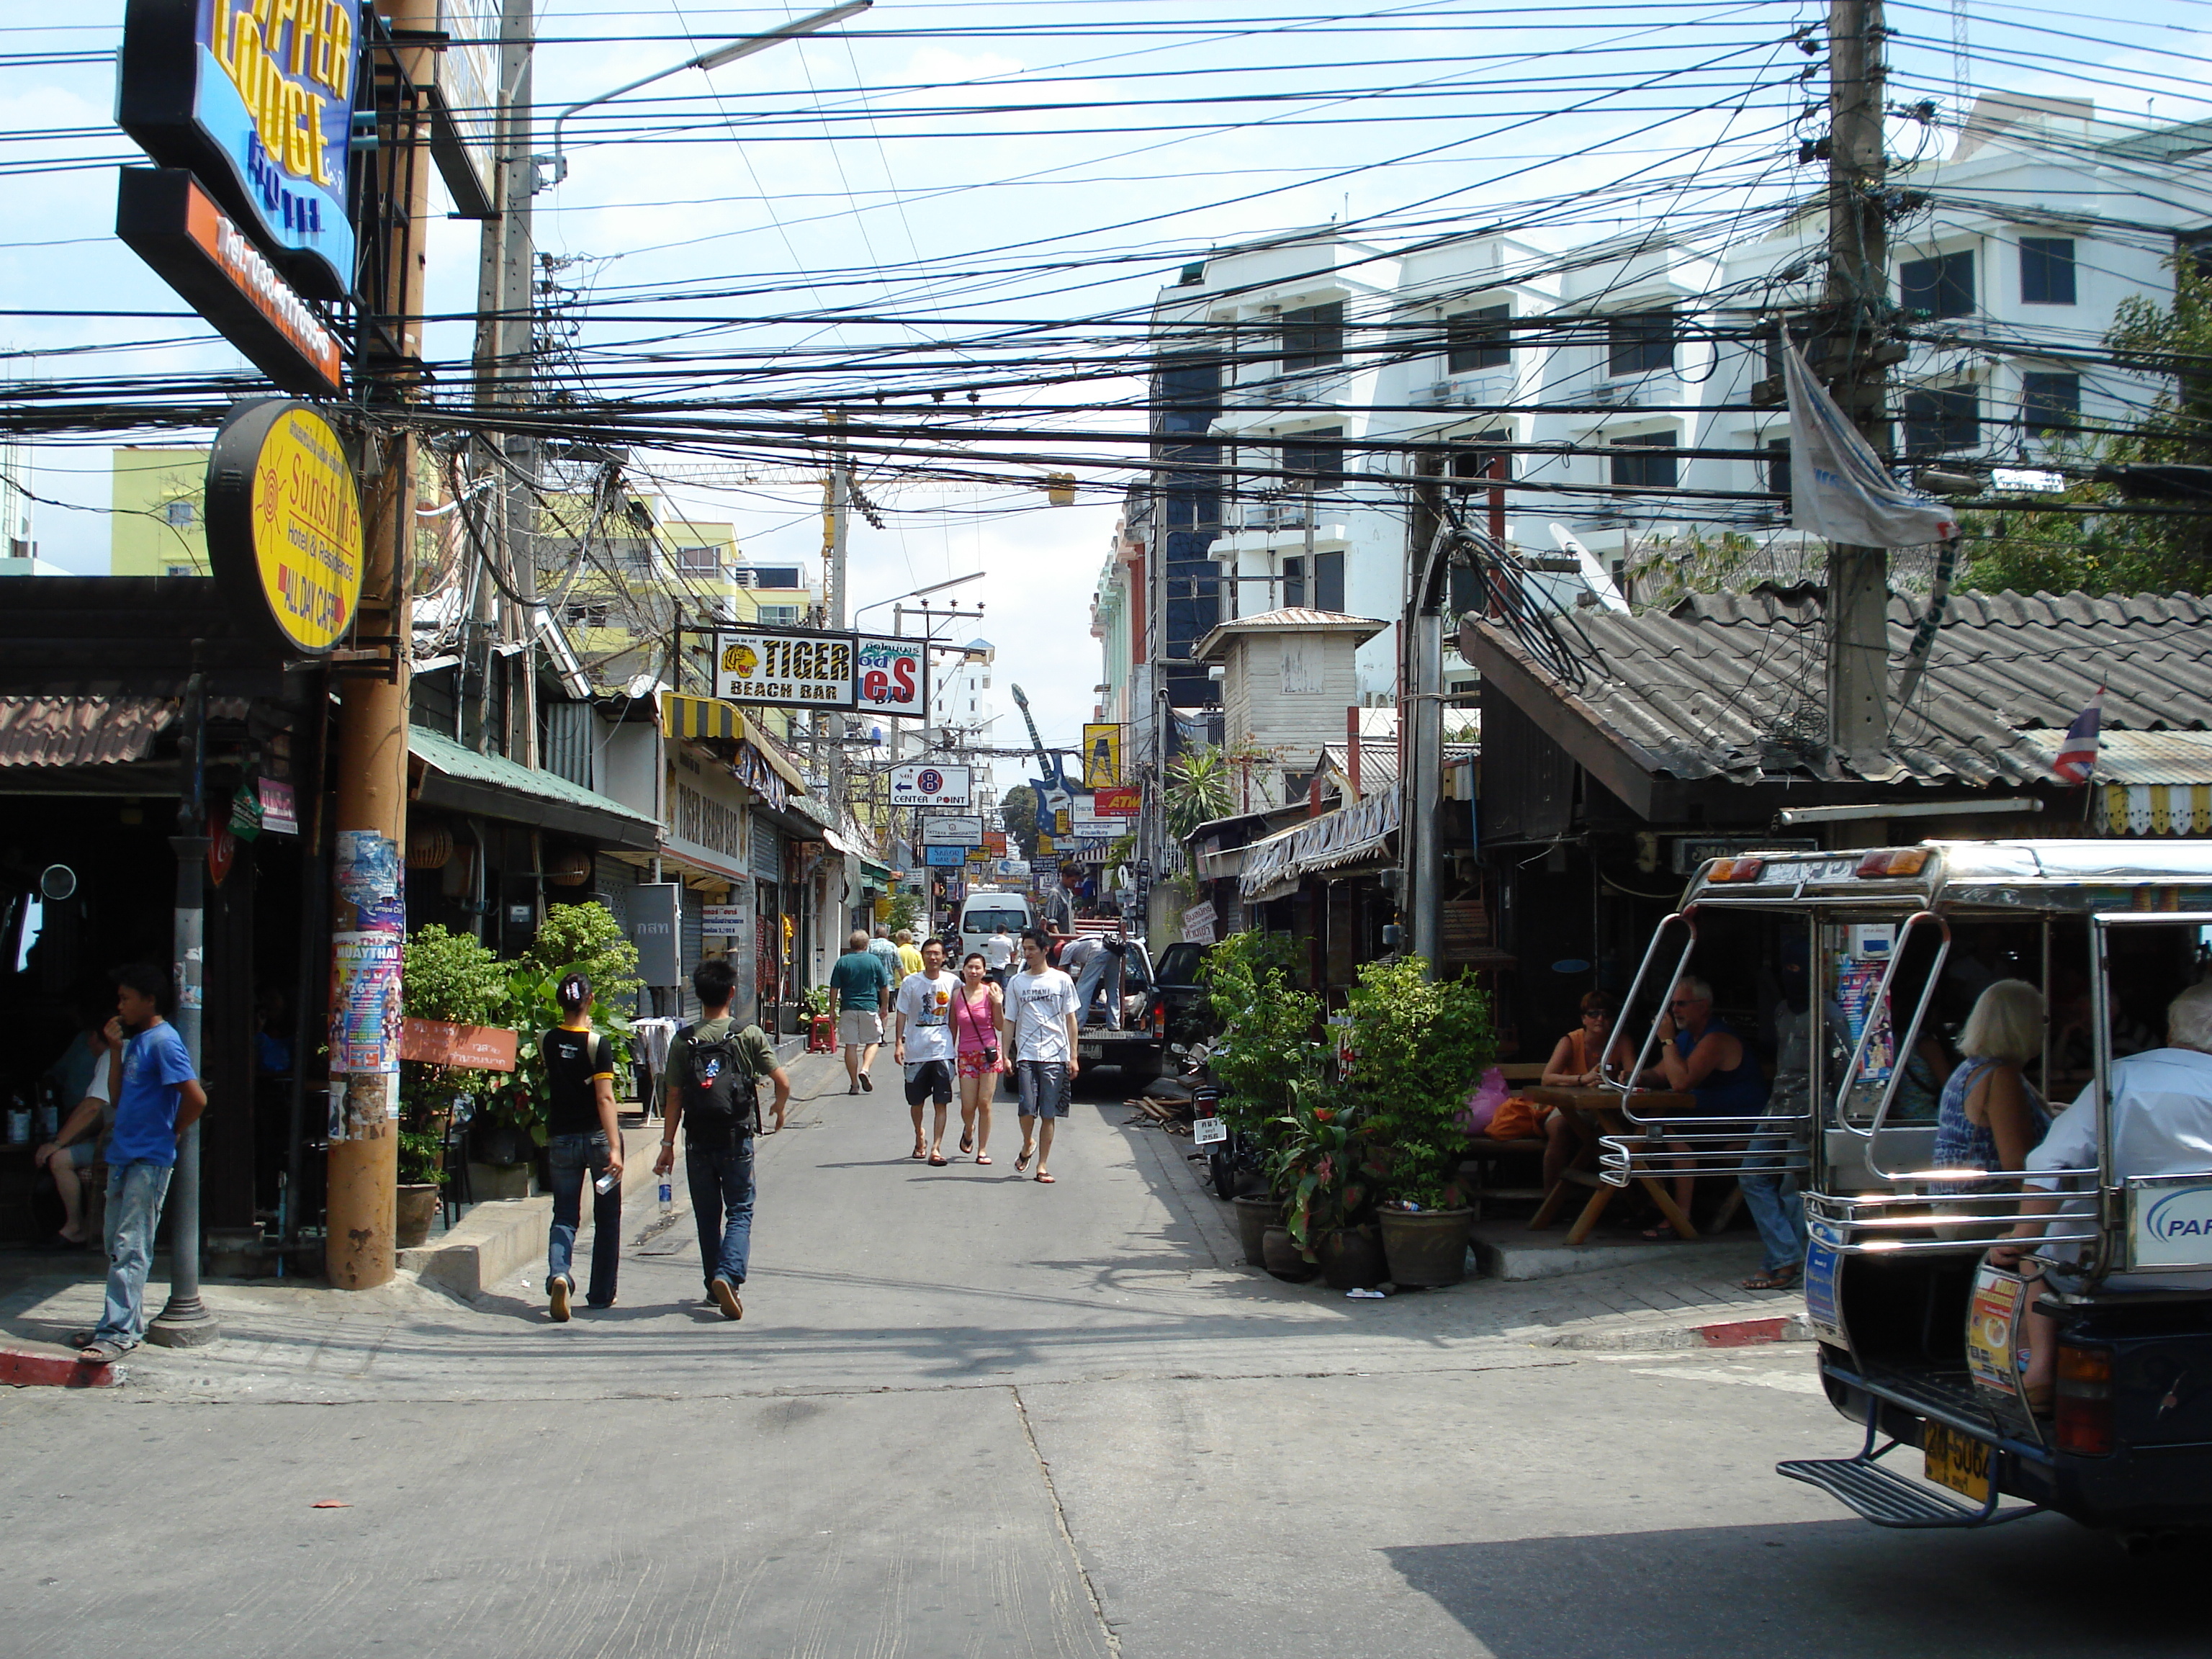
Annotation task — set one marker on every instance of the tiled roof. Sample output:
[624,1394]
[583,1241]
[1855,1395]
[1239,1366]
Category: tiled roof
[81,731]
[1292,619]
[1729,685]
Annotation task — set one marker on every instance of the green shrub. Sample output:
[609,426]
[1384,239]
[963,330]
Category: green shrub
[1418,1046]
[1267,1044]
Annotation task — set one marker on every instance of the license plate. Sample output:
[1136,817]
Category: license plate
[1091,1050]
[1957,1460]
[1206,1131]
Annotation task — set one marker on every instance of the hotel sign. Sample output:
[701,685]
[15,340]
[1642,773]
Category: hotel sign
[283,522]
[255,97]
[171,223]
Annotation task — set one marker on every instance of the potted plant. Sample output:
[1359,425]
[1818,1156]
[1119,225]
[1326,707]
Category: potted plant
[1325,1165]
[1416,1042]
[582,939]
[447,977]
[422,1177]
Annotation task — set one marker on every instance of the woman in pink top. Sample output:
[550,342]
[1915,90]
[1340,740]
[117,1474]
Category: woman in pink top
[976,1014]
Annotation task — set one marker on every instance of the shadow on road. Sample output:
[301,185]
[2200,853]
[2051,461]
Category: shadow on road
[2041,1587]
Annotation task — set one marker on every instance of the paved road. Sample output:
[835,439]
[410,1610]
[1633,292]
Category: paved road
[969,1415]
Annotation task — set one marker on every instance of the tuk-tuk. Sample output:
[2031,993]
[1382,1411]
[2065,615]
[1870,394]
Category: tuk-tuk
[1921,1340]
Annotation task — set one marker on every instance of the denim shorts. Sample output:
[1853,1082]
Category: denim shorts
[1043,1087]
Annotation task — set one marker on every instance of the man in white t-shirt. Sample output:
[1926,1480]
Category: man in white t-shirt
[1039,1033]
[999,953]
[922,1042]
[75,1145]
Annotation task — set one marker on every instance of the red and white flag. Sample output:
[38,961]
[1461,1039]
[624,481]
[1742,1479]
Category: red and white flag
[2077,753]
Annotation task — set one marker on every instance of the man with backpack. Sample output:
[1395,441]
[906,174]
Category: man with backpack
[711,1090]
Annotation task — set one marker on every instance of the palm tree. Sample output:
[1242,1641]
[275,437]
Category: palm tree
[1197,790]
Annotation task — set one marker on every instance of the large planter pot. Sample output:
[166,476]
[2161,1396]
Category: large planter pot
[1426,1247]
[492,1183]
[418,1205]
[1280,1257]
[1256,1214]
[1352,1259]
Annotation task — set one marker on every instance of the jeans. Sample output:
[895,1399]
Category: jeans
[1771,1194]
[575,1158]
[722,1182]
[135,1194]
[1097,973]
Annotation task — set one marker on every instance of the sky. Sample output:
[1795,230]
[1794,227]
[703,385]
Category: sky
[936,176]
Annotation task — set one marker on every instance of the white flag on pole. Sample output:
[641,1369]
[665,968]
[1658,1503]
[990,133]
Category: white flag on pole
[1838,487]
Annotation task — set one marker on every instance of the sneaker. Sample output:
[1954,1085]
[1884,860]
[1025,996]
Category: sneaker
[726,1297]
[560,1289]
[867,1083]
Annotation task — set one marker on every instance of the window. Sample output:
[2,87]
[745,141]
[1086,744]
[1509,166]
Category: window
[1315,459]
[179,516]
[585,613]
[2047,271]
[1471,461]
[699,560]
[1778,471]
[1294,582]
[1473,341]
[1313,336]
[1936,422]
[776,575]
[1942,287]
[779,615]
[1639,342]
[2050,404]
[1642,467]
[1328,581]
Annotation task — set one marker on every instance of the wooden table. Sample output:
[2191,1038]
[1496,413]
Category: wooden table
[1600,1110]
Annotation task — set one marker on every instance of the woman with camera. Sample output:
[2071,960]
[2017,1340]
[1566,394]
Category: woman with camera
[977,1007]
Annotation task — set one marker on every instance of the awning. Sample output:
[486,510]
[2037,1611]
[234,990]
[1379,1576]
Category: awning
[491,786]
[1356,835]
[710,718]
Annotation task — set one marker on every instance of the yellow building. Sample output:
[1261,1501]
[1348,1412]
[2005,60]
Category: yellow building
[159,527]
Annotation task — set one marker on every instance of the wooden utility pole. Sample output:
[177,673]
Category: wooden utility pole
[1857,307]
[371,722]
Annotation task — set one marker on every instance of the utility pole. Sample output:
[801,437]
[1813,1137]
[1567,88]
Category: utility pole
[1857,304]
[837,499]
[372,720]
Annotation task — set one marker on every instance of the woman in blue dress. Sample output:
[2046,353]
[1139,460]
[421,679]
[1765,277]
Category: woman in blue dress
[1990,1116]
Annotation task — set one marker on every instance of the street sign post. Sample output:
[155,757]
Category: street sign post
[932,783]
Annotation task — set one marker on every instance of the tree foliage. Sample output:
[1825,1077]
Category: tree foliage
[1018,811]
[1197,789]
[1266,1022]
[1418,1045]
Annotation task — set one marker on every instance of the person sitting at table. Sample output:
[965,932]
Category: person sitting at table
[1991,1117]
[1700,1055]
[1586,1057]
[83,1071]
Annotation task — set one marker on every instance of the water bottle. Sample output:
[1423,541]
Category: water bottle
[667,1198]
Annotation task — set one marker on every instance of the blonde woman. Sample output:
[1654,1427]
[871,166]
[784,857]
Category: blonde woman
[1990,1116]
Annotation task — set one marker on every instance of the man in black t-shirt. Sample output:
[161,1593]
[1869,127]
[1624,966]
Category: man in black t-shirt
[584,1141]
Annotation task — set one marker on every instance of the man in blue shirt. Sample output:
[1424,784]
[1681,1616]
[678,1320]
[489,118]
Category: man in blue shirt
[158,1100]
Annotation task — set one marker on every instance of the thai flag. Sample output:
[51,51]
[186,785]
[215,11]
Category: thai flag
[2077,754]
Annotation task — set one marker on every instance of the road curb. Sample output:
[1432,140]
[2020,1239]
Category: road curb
[1720,1334]
[50,1365]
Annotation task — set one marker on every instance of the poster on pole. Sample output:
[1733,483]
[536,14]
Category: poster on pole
[1102,755]
[932,783]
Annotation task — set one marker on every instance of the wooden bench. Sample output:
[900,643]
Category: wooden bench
[1483,1151]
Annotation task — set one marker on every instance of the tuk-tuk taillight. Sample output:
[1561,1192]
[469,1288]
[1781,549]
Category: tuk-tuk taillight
[2083,1425]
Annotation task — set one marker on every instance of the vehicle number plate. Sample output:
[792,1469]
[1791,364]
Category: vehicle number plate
[1091,1050]
[1206,1131]
[1957,1460]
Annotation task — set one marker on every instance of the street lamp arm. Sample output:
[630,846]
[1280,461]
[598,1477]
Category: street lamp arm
[729,52]
[916,593]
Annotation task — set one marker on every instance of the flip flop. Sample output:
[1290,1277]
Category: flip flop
[1021,1162]
[920,1151]
[1663,1233]
[1047,1179]
[101,1354]
[939,1160]
[983,1158]
[967,1143]
[1781,1278]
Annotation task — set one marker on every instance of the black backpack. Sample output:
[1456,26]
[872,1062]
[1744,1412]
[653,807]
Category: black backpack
[722,1103]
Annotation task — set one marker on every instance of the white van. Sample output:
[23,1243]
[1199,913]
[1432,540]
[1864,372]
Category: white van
[982,912]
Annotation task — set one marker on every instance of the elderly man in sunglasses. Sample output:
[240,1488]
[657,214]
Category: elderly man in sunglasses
[1699,1055]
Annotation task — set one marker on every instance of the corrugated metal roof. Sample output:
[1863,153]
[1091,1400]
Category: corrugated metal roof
[458,760]
[1729,685]
[1289,620]
[81,731]
[2133,757]
[1379,762]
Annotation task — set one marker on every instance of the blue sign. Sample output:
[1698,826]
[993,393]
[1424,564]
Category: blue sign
[255,97]
[944,858]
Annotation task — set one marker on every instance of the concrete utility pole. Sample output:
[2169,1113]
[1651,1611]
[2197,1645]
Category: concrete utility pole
[372,723]
[1857,304]
[837,512]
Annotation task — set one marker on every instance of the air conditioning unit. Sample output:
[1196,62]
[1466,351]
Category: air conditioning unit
[1480,393]
[1428,396]
[1619,394]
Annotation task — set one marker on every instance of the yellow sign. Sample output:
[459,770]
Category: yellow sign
[1101,757]
[284,521]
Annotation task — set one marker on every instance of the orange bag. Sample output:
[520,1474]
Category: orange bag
[1519,1118]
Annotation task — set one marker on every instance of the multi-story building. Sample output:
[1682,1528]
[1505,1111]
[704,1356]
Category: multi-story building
[159,526]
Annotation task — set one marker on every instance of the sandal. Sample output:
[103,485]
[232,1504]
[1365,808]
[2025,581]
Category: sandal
[101,1354]
[983,1158]
[1023,1162]
[938,1160]
[920,1151]
[966,1141]
[1045,1178]
[1663,1232]
[1779,1279]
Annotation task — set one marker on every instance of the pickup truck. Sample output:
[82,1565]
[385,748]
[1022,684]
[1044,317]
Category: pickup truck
[1167,1012]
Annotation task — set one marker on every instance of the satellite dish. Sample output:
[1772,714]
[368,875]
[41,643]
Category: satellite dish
[57,882]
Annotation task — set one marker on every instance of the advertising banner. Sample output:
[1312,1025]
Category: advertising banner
[944,858]
[1123,800]
[893,677]
[931,783]
[952,831]
[784,669]
[283,522]
[1101,757]
[256,100]
[469,1047]
[722,921]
